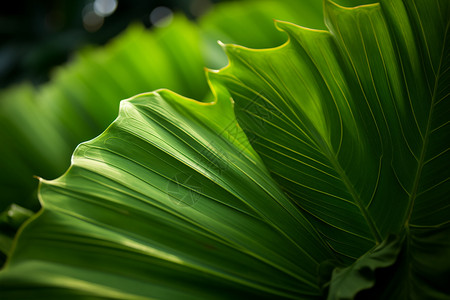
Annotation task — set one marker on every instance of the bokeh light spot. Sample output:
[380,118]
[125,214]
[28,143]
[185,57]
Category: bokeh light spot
[161,16]
[105,8]
[91,21]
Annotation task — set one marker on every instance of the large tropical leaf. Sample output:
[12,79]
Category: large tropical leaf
[168,215]
[342,165]
[353,125]
[41,126]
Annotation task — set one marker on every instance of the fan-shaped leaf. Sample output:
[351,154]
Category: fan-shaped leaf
[341,141]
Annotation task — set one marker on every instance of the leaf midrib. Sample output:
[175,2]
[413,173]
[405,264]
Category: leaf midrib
[422,158]
[324,147]
[351,189]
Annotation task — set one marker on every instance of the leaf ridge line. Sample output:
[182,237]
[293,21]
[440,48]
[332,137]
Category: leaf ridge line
[428,131]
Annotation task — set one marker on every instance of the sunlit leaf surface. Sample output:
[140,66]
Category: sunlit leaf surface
[43,125]
[332,154]
[352,123]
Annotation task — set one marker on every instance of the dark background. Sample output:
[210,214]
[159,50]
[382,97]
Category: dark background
[35,36]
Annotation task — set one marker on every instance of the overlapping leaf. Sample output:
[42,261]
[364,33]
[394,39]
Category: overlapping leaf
[153,200]
[353,124]
[41,126]
[346,143]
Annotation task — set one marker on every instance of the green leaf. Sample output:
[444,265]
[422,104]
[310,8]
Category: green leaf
[45,124]
[168,215]
[10,221]
[340,142]
[347,282]
[353,124]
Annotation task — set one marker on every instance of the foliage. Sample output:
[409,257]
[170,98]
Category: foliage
[42,126]
[323,176]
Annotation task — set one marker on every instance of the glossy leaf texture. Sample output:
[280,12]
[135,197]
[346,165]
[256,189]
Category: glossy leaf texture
[338,156]
[353,125]
[152,208]
[10,221]
[41,126]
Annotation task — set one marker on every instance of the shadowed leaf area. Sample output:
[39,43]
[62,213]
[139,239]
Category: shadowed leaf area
[319,171]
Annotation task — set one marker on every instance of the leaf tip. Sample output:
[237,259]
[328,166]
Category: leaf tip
[38,178]
[208,71]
